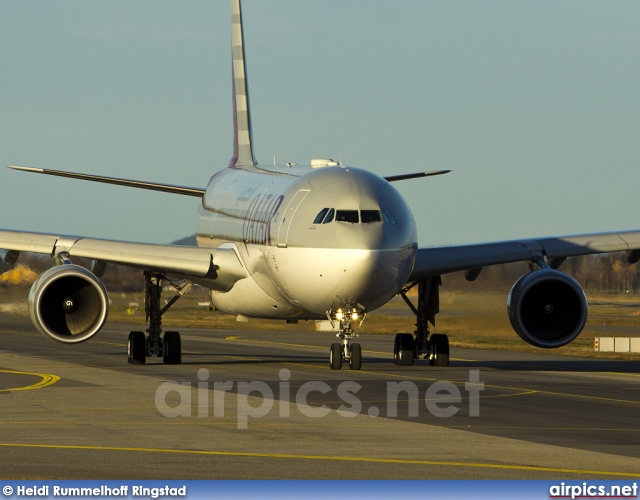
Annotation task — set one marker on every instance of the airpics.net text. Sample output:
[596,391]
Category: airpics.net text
[258,399]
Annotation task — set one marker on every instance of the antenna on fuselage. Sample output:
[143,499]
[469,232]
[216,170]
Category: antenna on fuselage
[242,151]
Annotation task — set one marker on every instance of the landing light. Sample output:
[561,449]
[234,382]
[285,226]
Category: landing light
[354,315]
[339,314]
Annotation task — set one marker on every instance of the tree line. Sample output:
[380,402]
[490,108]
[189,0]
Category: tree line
[601,273]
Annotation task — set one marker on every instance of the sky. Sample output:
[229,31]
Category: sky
[533,105]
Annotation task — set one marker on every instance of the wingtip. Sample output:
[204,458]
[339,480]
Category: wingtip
[25,169]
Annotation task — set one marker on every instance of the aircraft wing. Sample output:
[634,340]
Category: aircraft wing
[221,266]
[434,261]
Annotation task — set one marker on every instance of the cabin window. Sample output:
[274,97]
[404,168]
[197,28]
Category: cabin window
[329,217]
[320,217]
[350,216]
[368,216]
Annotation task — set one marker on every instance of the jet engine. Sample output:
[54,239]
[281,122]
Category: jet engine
[68,304]
[547,308]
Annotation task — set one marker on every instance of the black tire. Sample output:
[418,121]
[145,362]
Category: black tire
[137,348]
[407,350]
[355,360]
[440,348]
[396,348]
[335,356]
[171,348]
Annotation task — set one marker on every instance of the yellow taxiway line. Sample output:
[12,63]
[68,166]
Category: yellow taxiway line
[47,380]
[334,458]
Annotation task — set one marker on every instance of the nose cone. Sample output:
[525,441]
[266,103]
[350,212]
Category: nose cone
[319,279]
[362,261]
[372,277]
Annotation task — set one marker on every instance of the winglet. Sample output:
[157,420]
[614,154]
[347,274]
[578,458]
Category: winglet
[242,151]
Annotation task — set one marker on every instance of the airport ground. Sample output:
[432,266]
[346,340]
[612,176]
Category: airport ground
[83,412]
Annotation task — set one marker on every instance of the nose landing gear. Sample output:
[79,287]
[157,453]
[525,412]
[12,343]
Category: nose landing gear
[339,352]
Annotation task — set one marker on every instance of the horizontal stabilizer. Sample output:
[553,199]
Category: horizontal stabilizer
[152,186]
[404,177]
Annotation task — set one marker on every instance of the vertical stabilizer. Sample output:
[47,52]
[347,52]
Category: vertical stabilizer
[242,150]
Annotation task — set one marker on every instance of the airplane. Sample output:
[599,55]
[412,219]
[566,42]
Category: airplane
[323,241]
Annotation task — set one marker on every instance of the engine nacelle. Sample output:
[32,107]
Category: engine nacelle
[547,308]
[68,304]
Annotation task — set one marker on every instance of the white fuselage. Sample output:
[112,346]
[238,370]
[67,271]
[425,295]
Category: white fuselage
[299,267]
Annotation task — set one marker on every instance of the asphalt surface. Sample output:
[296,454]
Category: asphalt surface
[83,412]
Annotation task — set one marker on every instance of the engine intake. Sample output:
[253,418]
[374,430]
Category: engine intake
[68,304]
[547,308]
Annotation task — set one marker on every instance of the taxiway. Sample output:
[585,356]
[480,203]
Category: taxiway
[82,412]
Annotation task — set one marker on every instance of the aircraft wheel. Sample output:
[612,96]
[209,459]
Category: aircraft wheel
[440,349]
[137,348]
[407,350]
[335,356]
[171,348]
[355,359]
[397,342]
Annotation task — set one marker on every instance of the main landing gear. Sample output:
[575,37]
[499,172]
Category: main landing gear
[167,345]
[434,347]
[339,352]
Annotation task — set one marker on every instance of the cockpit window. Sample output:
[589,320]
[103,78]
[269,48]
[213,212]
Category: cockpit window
[388,216]
[320,217]
[326,215]
[329,216]
[347,216]
[368,216]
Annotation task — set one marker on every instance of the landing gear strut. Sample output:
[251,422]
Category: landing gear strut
[434,347]
[167,345]
[339,352]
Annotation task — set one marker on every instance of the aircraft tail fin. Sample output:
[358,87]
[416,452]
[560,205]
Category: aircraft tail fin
[242,150]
